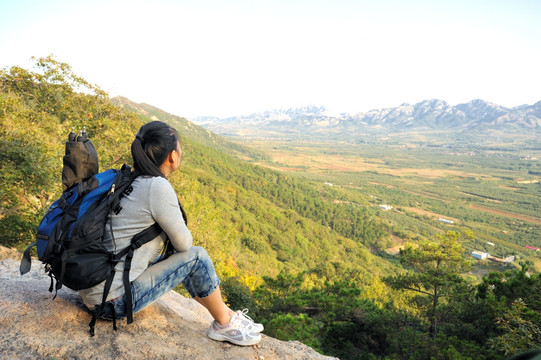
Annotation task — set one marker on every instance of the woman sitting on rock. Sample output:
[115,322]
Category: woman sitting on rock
[156,154]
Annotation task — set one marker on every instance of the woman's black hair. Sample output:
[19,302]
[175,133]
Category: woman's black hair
[152,144]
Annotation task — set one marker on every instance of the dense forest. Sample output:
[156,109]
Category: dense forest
[301,255]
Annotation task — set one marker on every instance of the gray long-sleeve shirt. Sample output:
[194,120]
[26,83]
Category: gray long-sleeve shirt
[153,199]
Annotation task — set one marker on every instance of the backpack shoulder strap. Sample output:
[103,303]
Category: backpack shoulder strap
[138,240]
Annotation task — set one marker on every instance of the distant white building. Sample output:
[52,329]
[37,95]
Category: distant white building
[386,207]
[479,255]
[446,221]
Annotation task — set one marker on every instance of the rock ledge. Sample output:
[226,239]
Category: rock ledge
[34,327]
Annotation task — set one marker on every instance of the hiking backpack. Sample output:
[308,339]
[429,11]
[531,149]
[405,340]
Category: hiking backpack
[69,238]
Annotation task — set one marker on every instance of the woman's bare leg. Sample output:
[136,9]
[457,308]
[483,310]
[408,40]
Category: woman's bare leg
[216,307]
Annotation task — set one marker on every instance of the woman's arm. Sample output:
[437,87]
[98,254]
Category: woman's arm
[166,212]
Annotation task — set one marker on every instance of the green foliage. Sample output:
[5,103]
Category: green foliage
[517,318]
[334,318]
[37,111]
[513,285]
[305,199]
[294,327]
[518,333]
[331,317]
[436,273]
[237,294]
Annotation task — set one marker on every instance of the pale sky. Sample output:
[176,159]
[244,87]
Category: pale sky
[226,58]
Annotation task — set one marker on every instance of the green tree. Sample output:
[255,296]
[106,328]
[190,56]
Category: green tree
[513,285]
[518,333]
[435,269]
[37,111]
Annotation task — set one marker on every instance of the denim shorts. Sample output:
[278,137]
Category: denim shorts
[192,268]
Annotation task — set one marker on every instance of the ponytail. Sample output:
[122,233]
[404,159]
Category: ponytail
[152,144]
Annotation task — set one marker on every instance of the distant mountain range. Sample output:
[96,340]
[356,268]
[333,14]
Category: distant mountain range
[188,129]
[429,116]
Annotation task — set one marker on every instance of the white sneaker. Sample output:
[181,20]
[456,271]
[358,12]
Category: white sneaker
[248,322]
[234,332]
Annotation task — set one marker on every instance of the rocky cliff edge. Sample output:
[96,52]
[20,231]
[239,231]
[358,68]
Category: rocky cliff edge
[33,326]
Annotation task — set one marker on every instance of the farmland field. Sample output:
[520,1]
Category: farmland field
[507,214]
[495,194]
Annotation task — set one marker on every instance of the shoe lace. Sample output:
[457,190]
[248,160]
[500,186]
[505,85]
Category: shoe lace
[244,313]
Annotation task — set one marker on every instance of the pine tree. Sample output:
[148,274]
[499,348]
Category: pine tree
[435,272]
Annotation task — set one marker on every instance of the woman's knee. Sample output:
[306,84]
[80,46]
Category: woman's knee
[200,253]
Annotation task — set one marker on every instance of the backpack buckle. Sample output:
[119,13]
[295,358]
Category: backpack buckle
[62,203]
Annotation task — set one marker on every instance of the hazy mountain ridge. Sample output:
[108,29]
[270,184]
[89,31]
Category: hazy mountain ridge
[434,114]
[188,129]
